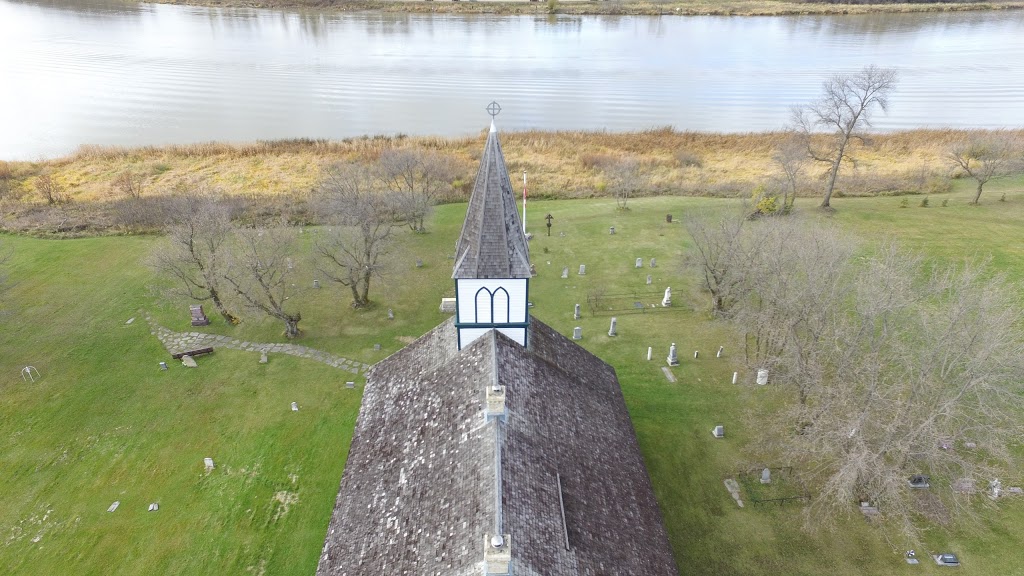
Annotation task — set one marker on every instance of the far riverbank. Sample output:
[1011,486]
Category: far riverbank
[625,8]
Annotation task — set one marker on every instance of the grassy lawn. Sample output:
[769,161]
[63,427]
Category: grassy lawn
[104,423]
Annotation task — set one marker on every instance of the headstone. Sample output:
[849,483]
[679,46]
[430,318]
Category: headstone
[668,374]
[565,272]
[295,406]
[673,359]
[1015,490]
[114,506]
[611,329]
[668,218]
[289,263]
[696,353]
[918,481]
[970,445]
[198,316]
[419,263]
[316,283]
[721,349]
[649,280]
[583,269]
[611,231]
[654,263]
[762,377]
[577,333]
[448,305]
[576,312]
[911,557]
[130,320]
[639,262]
[735,376]
[208,462]
[995,488]
[533,269]
[153,507]
[947,559]
[189,362]
[263,357]
[391,314]
[718,431]
[350,384]
[376,347]
[650,353]
[163,365]
[667,300]
[766,476]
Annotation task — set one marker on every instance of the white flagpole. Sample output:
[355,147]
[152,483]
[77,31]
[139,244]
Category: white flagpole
[524,202]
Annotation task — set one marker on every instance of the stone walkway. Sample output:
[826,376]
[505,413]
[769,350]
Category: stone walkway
[176,342]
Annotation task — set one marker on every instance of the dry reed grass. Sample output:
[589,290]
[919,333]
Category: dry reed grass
[566,164]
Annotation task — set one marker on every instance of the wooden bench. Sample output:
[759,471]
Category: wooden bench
[193,353]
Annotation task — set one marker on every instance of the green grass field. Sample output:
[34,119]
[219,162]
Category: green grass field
[104,423]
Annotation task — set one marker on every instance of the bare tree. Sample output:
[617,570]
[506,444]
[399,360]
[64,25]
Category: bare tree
[195,251]
[897,367]
[984,158]
[5,257]
[50,189]
[352,249]
[842,111]
[719,255]
[129,184]
[790,156]
[260,271]
[623,178]
[416,179]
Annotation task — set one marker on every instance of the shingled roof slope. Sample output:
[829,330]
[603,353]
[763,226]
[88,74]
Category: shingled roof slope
[417,496]
[492,243]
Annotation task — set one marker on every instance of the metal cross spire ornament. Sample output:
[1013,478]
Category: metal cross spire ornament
[493,109]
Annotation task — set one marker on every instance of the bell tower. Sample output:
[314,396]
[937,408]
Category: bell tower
[492,259]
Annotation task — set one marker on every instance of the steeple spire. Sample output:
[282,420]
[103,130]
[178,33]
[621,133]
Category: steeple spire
[492,243]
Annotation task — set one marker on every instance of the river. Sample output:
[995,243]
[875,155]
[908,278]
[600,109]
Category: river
[122,73]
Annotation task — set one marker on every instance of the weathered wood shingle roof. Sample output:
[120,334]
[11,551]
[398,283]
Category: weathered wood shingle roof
[492,243]
[418,492]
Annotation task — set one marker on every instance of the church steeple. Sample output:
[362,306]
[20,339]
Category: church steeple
[492,258]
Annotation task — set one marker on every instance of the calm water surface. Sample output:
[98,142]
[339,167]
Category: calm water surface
[108,72]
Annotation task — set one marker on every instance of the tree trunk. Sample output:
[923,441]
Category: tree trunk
[231,318]
[291,326]
[832,177]
[364,298]
[977,195]
[356,302]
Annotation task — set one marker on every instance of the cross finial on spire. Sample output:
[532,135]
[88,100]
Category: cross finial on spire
[493,109]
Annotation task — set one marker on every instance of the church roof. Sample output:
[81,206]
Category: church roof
[492,243]
[428,476]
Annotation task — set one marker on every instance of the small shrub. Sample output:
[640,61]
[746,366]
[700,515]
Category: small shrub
[904,203]
[924,202]
[597,161]
[1003,198]
[945,202]
[552,6]
[688,159]
[50,190]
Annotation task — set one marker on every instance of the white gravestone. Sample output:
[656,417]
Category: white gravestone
[639,262]
[673,358]
[718,431]
[576,312]
[583,269]
[667,300]
[762,377]
[766,476]
[611,329]
[565,272]
[577,333]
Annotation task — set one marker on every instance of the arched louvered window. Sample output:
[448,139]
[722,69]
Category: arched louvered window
[492,307]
